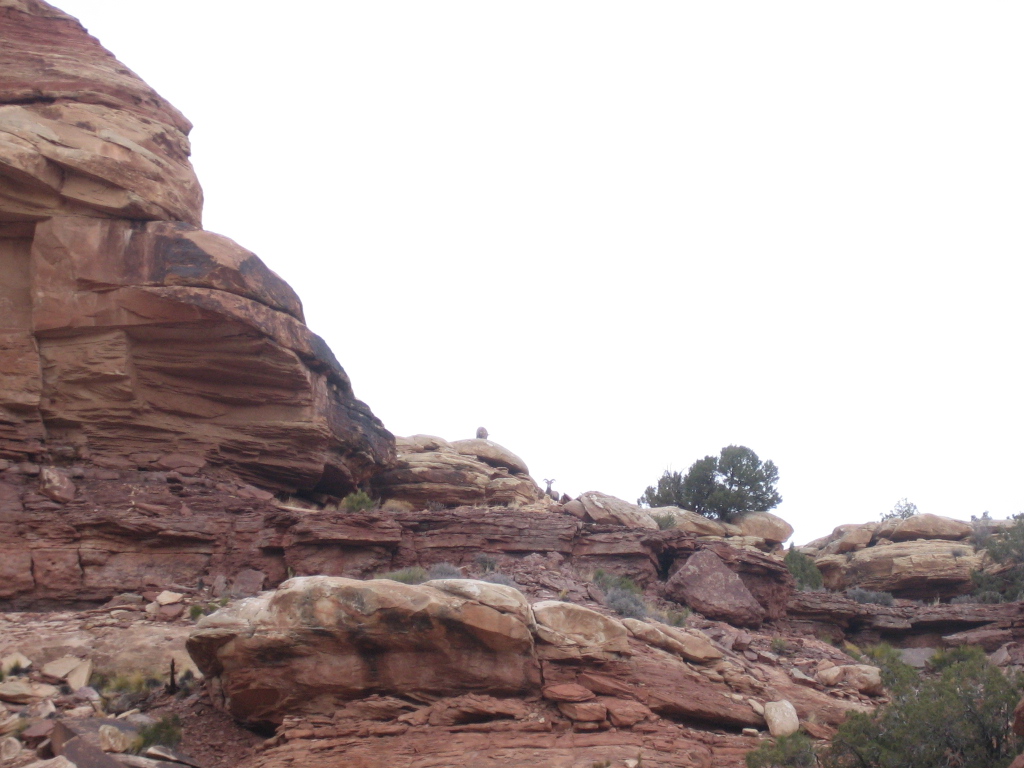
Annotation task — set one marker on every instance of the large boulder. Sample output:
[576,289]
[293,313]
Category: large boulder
[772,528]
[603,509]
[319,641]
[430,470]
[127,334]
[924,526]
[912,569]
[575,632]
[707,585]
[691,522]
[491,453]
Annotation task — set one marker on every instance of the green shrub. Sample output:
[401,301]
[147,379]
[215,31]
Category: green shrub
[722,487]
[359,501]
[901,510]
[665,520]
[1007,549]
[961,717]
[869,596]
[195,611]
[165,732]
[795,751]
[413,575]
[779,645]
[607,581]
[803,569]
[626,603]
[486,562]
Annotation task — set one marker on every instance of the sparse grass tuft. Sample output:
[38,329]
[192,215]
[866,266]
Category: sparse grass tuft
[869,596]
[609,581]
[165,732]
[444,571]
[413,575]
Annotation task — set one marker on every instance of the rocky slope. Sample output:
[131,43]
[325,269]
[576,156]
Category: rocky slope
[175,446]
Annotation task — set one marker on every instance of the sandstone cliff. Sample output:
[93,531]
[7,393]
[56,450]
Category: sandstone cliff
[129,337]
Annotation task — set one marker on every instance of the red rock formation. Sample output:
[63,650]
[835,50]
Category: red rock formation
[126,333]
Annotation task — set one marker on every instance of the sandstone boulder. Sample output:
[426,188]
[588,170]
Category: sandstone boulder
[491,453]
[691,522]
[782,718]
[772,528]
[849,538]
[690,644]
[923,526]
[432,470]
[317,641]
[863,678]
[575,632]
[912,569]
[603,509]
[705,584]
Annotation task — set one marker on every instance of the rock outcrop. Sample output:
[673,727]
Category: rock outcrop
[331,660]
[923,556]
[129,336]
[319,641]
[431,471]
[706,584]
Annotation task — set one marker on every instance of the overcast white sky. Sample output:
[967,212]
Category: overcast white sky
[624,235]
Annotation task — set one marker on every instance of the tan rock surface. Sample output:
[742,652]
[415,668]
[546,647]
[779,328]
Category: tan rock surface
[432,470]
[782,718]
[574,631]
[491,453]
[690,521]
[603,509]
[912,569]
[924,526]
[317,641]
[772,528]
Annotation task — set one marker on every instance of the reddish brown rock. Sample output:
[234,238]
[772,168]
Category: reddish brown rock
[707,585]
[570,692]
[320,640]
[474,708]
[79,133]
[125,330]
[583,711]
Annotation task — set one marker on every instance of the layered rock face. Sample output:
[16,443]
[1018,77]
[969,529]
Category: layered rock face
[127,334]
[924,556]
[432,668]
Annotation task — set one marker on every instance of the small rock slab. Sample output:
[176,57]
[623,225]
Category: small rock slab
[584,711]
[568,692]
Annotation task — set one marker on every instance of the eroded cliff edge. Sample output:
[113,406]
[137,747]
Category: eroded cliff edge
[129,335]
